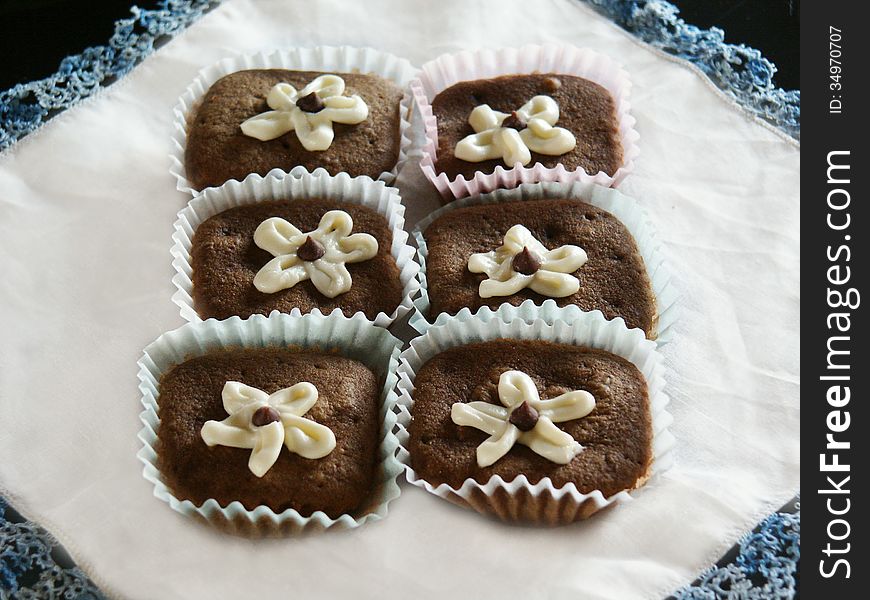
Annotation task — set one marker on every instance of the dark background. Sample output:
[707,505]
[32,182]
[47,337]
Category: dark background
[36,34]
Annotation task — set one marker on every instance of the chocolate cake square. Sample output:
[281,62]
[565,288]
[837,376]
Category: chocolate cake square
[348,404]
[217,150]
[585,109]
[225,260]
[612,280]
[616,435]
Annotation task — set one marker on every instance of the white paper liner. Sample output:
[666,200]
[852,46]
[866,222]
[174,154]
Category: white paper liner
[623,207]
[446,70]
[332,59]
[518,500]
[277,186]
[355,337]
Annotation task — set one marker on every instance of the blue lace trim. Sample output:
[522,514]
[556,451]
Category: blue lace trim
[33,565]
[765,566]
[25,107]
[741,72]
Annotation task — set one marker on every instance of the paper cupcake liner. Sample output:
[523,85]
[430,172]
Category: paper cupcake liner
[333,59]
[277,186]
[518,500]
[623,207]
[441,73]
[354,337]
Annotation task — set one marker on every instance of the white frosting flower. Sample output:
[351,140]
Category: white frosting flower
[319,255]
[492,140]
[314,129]
[524,418]
[522,261]
[265,422]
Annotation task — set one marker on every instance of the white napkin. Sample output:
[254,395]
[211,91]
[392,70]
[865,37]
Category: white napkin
[86,212]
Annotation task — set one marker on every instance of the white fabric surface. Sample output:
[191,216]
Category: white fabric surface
[86,212]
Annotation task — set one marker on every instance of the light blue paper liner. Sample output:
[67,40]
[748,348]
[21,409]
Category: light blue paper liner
[354,337]
[550,505]
[623,207]
[299,185]
[325,59]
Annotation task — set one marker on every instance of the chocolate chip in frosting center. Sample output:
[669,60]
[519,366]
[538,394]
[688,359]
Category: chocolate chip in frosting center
[526,262]
[310,250]
[310,103]
[265,415]
[524,416]
[513,121]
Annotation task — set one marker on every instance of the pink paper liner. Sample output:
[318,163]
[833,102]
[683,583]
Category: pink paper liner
[446,70]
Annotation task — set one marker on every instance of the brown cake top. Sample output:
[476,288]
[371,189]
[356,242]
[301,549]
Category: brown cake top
[585,109]
[225,261]
[348,404]
[613,278]
[217,149]
[616,435]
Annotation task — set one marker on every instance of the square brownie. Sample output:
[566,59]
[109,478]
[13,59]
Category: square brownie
[613,280]
[225,260]
[348,403]
[586,109]
[217,150]
[616,436]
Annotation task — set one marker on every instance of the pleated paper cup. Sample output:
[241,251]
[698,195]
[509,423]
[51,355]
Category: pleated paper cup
[353,337]
[325,59]
[626,209]
[254,189]
[449,69]
[519,500]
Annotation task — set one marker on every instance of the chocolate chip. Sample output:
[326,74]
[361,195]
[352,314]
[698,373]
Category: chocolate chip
[310,103]
[551,84]
[526,262]
[524,416]
[265,415]
[514,121]
[310,249]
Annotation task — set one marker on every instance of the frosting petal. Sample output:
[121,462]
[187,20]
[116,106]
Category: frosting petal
[307,438]
[277,236]
[236,395]
[568,406]
[497,445]
[514,387]
[358,247]
[330,279]
[295,400]
[280,273]
[266,449]
[554,285]
[487,417]
[492,287]
[551,442]
[268,125]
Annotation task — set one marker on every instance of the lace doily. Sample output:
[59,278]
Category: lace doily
[26,106]
[740,71]
[764,563]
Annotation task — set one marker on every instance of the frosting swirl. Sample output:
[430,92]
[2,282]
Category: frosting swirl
[524,418]
[522,261]
[319,255]
[513,137]
[310,112]
[264,422]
